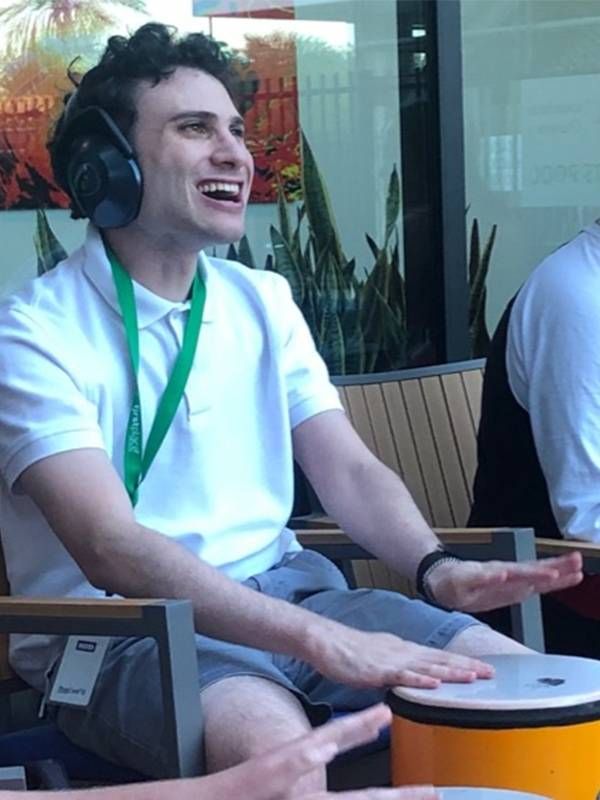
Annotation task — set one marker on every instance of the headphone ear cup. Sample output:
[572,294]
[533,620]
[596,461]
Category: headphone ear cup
[105,184]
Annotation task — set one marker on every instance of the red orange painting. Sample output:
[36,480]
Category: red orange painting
[37,42]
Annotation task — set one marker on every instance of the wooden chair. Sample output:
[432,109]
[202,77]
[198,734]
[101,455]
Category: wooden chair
[422,423]
[170,622]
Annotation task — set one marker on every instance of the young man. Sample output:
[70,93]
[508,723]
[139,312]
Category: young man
[281,639]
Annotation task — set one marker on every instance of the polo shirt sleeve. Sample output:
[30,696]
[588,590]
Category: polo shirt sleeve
[553,364]
[309,390]
[43,409]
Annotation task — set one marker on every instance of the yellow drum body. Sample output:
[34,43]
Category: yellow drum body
[504,739]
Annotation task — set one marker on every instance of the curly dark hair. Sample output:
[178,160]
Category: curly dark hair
[152,53]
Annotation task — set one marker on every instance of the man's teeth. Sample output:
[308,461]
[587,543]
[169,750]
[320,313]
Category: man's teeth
[230,188]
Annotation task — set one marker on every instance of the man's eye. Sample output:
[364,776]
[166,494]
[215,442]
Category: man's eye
[239,132]
[194,127]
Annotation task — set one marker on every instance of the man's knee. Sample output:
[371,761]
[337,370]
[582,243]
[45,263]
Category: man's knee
[480,640]
[246,716]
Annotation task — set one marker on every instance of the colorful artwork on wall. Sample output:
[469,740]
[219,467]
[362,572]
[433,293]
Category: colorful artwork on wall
[39,40]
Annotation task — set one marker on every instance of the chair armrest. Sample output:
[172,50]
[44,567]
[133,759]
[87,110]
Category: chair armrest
[170,622]
[102,617]
[481,543]
[557,547]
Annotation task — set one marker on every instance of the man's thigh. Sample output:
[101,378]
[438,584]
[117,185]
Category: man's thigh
[124,721]
[371,610]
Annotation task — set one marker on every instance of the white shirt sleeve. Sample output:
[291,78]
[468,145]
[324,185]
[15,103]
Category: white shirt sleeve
[309,390]
[553,363]
[43,410]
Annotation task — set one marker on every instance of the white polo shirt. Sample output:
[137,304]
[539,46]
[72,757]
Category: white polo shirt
[222,481]
[553,367]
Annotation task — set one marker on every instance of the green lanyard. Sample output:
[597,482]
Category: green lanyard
[137,461]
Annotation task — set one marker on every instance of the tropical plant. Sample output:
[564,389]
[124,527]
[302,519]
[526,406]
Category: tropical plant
[48,249]
[479,263]
[358,323]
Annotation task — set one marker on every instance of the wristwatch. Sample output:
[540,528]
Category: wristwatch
[427,565]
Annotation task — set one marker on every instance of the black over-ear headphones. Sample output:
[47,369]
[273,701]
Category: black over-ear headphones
[96,166]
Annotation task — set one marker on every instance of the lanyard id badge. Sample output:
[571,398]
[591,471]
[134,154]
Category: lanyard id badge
[138,459]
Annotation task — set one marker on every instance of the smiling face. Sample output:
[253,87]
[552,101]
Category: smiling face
[189,141]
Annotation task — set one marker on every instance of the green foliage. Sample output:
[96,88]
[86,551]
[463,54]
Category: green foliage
[47,247]
[479,263]
[358,323]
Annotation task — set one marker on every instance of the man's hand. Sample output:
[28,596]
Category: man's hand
[272,776]
[483,585]
[361,659]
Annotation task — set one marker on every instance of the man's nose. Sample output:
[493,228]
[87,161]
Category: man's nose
[229,150]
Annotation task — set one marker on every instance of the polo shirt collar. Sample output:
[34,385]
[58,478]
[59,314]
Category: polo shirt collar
[150,307]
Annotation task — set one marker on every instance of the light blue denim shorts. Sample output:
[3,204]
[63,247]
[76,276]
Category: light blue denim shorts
[125,712]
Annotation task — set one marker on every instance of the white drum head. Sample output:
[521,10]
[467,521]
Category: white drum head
[471,793]
[521,682]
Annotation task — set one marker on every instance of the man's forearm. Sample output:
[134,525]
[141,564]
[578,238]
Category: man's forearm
[145,563]
[375,509]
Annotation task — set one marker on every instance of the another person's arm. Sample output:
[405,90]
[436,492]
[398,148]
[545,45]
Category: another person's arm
[266,777]
[553,366]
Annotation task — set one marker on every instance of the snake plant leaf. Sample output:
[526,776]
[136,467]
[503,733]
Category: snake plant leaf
[479,335]
[330,284]
[48,249]
[232,254]
[296,237]
[310,305]
[318,206]
[282,213]
[473,252]
[397,284]
[477,284]
[332,343]
[349,271]
[286,265]
[245,253]
[392,205]
[372,245]
[389,348]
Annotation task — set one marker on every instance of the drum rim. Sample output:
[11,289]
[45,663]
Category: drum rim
[493,718]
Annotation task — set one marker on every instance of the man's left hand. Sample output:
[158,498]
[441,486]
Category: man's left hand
[483,585]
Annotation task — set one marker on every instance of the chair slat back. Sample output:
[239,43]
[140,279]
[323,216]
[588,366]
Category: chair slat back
[424,427]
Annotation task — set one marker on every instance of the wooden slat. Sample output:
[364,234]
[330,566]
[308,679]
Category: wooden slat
[473,382]
[74,607]
[383,438]
[409,467]
[441,510]
[452,472]
[359,416]
[557,547]
[344,399]
[464,431]
[333,535]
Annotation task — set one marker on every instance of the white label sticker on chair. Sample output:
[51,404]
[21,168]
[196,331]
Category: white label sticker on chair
[77,673]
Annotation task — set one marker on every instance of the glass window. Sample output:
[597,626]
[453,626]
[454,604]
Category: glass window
[340,124]
[531,100]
